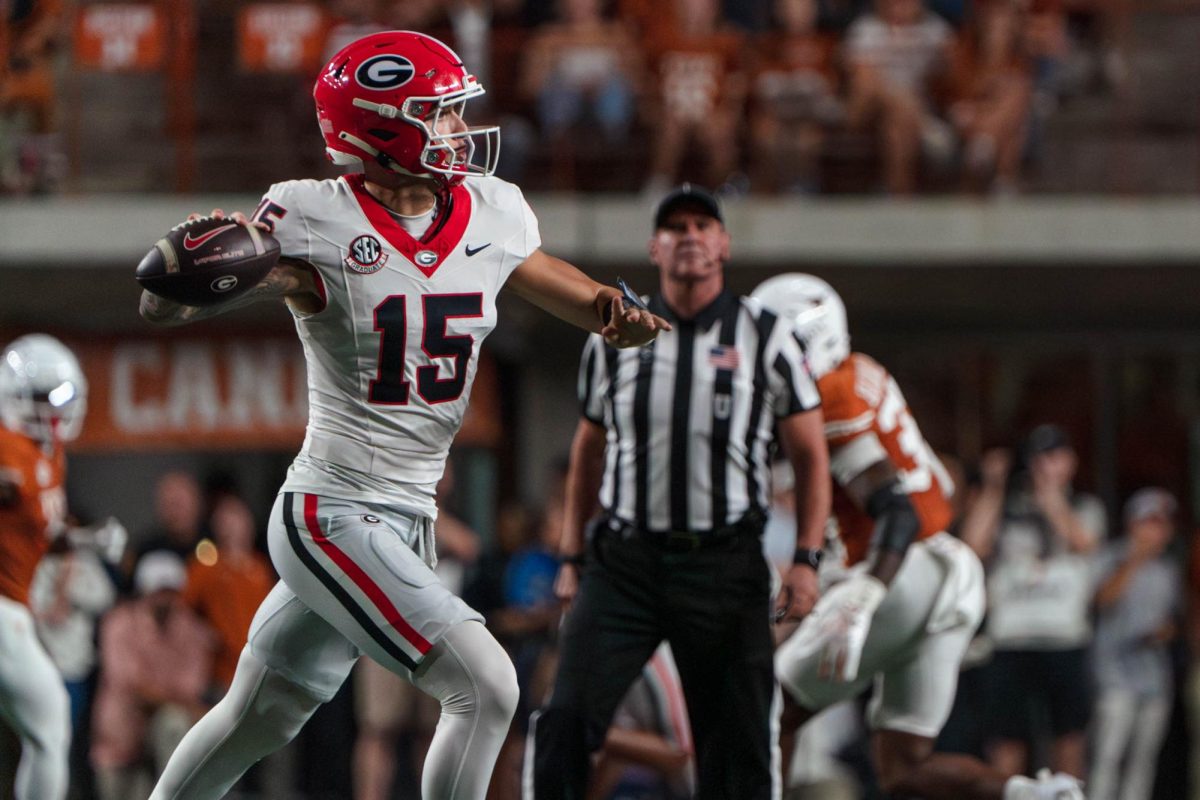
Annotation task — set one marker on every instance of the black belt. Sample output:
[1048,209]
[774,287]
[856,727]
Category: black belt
[687,541]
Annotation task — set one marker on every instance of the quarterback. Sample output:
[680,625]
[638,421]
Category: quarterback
[391,275]
[902,611]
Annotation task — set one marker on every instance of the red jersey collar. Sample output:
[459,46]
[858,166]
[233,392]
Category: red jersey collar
[427,253]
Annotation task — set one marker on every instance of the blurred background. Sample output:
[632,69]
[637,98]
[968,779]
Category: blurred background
[1005,193]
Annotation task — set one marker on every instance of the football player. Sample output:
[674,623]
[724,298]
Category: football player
[912,595]
[391,275]
[43,398]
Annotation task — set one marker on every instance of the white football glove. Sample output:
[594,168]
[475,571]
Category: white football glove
[1058,786]
[107,538]
[843,624]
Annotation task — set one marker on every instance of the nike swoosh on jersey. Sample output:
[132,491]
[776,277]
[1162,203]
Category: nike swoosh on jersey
[473,250]
[190,243]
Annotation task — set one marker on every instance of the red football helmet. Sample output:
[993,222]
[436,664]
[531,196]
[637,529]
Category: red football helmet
[390,97]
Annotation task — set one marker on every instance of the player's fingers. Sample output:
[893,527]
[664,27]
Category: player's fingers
[217,214]
[663,324]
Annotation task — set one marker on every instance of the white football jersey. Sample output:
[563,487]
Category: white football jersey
[392,354]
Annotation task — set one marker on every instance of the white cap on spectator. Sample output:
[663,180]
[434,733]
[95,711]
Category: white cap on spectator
[157,571]
[1150,502]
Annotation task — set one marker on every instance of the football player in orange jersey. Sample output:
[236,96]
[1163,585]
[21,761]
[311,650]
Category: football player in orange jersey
[902,610]
[42,402]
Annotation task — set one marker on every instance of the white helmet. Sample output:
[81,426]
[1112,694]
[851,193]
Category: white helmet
[43,392]
[817,313]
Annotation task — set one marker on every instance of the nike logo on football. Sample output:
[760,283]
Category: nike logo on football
[473,250]
[190,243]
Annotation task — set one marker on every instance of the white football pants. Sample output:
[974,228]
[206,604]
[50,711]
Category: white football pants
[468,672]
[34,703]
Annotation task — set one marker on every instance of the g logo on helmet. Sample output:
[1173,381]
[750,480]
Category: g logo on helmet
[224,283]
[384,72]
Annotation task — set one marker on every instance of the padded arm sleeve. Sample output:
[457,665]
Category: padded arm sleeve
[896,522]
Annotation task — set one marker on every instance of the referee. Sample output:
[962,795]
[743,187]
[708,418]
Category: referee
[676,441]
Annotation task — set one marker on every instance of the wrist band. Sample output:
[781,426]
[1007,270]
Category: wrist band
[809,556]
[575,560]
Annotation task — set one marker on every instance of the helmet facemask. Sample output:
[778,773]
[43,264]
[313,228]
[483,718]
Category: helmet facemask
[449,154]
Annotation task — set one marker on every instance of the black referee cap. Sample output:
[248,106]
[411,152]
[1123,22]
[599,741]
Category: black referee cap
[689,196]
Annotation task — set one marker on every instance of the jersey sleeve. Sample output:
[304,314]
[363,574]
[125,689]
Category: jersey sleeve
[281,210]
[526,238]
[792,384]
[19,470]
[593,375]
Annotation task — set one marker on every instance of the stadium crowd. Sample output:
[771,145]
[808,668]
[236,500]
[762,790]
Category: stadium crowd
[762,96]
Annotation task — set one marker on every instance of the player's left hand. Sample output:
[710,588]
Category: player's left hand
[843,620]
[632,327]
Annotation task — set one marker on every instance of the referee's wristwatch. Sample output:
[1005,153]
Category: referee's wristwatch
[809,556]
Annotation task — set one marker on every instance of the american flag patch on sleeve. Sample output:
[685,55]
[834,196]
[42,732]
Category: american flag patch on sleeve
[724,356]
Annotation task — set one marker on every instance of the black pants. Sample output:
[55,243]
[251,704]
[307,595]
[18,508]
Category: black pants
[711,604]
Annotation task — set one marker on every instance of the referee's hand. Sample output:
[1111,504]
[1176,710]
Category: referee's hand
[632,327]
[799,595]
[566,585]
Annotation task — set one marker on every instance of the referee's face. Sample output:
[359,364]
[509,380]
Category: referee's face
[690,246]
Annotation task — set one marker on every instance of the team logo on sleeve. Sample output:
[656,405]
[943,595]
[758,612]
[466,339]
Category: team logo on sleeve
[365,255]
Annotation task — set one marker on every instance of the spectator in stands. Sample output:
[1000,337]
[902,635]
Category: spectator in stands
[700,89]
[991,112]
[1047,46]
[29,34]
[1137,604]
[178,511]
[227,582]
[793,99]
[1036,534]
[156,660]
[893,57]
[583,69]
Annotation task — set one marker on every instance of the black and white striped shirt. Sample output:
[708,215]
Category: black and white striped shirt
[691,417]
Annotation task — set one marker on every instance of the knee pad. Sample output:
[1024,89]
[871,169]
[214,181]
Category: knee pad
[468,671]
[501,691]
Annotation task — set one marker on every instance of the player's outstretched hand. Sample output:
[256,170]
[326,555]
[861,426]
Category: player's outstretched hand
[632,327]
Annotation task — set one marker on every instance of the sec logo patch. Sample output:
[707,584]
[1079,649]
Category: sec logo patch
[365,255]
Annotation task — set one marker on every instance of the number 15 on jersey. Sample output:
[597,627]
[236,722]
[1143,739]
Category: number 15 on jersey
[390,386]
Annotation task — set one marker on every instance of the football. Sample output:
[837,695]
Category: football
[208,260]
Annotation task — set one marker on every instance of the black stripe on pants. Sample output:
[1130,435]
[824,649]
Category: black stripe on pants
[712,605]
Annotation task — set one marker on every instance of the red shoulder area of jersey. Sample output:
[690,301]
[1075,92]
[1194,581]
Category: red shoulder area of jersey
[426,254]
